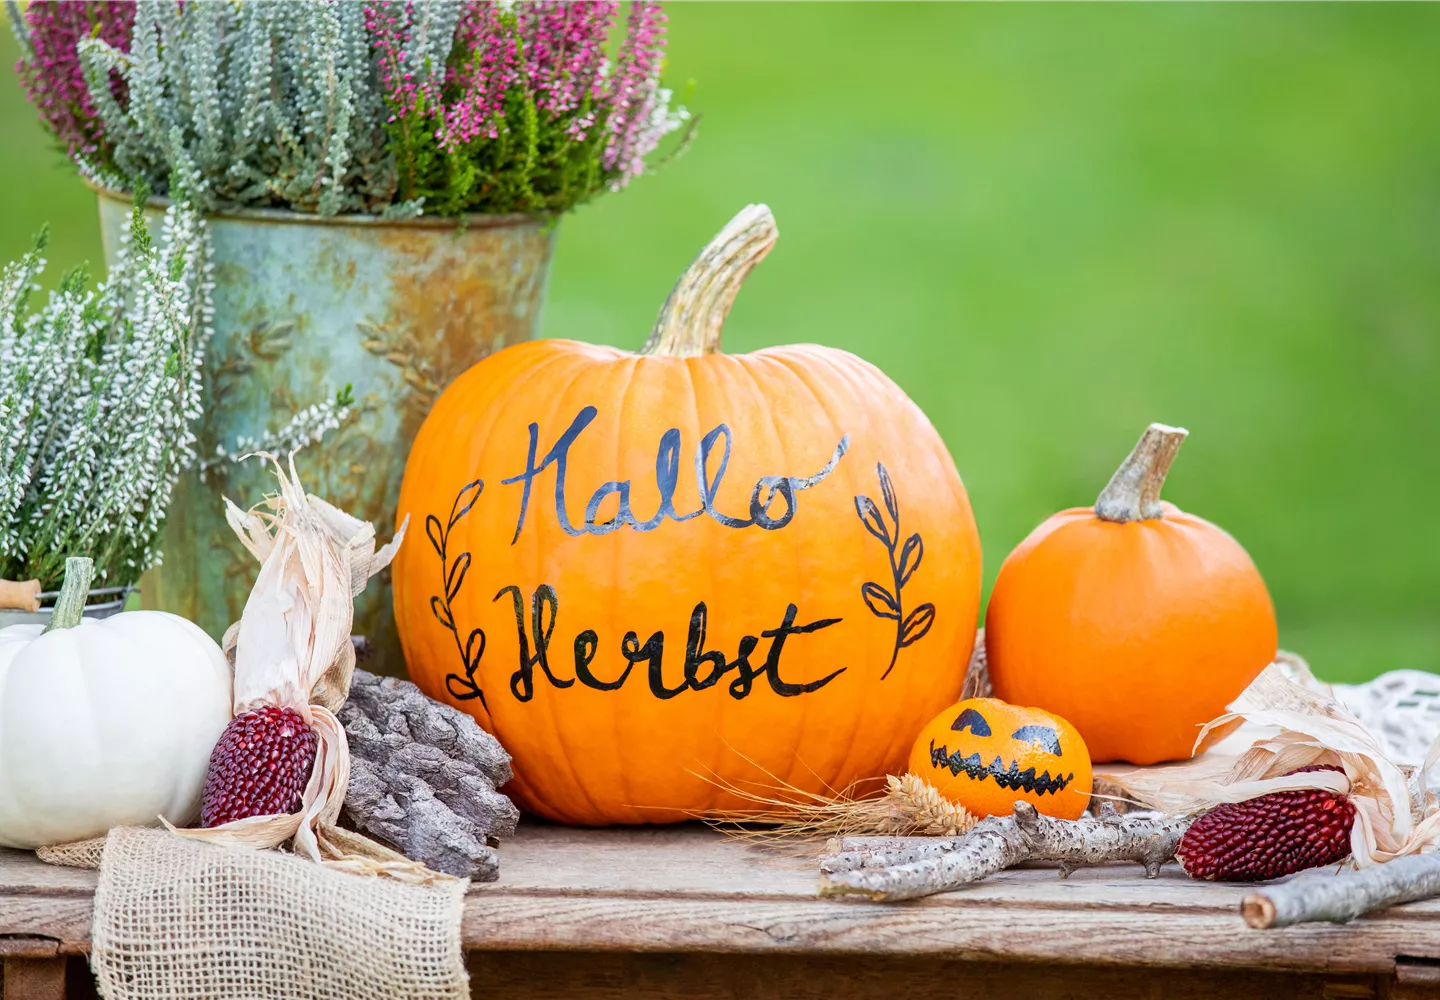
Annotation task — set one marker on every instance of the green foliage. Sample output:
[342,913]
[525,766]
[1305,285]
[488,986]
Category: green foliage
[532,166]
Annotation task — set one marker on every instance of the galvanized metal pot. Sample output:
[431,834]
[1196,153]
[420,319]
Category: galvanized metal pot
[305,305]
[102,602]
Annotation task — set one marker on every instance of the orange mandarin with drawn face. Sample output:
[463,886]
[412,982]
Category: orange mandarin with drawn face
[986,755]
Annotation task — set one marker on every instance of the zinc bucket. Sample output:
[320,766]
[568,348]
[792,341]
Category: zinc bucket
[304,306]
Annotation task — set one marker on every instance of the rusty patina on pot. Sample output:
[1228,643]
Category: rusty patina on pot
[304,306]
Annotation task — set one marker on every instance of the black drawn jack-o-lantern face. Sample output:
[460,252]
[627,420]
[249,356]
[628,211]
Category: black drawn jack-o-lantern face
[986,754]
[1035,738]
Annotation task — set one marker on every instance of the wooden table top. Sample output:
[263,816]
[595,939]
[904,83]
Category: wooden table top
[689,889]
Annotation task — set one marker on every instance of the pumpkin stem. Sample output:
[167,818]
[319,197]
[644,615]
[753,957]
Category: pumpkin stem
[690,321]
[70,605]
[1133,493]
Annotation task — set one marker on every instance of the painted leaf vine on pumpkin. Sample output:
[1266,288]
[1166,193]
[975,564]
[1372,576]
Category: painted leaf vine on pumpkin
[887,490]
[874,595]
[453,576]
[883,603]
[870,517]
[916,624]
[913,547]
[456,576]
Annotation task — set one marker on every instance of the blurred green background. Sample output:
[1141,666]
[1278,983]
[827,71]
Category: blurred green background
[1052,225]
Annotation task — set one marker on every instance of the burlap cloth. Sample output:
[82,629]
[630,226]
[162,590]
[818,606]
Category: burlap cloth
[178,918]
[77,854]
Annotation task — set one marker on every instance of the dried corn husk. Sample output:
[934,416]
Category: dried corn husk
[1396,814]
[291,648]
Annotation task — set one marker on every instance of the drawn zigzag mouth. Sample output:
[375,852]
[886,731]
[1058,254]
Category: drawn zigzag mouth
[1011,777]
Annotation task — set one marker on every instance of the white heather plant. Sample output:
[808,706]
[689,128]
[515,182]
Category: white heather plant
[308,426]
[274,102]
[99,391]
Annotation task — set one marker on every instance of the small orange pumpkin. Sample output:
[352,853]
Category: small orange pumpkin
[1137,622]
[656,574]
[987,755]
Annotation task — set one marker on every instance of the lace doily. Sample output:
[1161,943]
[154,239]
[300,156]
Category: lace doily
[1401,707]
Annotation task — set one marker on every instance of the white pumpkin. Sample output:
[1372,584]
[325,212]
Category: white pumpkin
[105,722]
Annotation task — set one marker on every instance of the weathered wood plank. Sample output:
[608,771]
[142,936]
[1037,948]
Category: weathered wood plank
[40,902]
[691,861]
[997,934]
[31,919]
[687,889]
[568,975]
[1415,979]
[22,871]
[34,979]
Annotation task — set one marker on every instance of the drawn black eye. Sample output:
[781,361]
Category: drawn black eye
[1041,736]
[973,721]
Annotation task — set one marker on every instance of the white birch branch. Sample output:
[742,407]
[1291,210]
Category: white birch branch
[996,843]
[885,852]
[1343,896]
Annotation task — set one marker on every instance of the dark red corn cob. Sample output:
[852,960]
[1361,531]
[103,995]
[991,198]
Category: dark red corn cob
[260,766]
[1270,836]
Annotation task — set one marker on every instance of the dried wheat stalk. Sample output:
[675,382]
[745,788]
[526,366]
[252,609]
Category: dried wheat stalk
[908,806]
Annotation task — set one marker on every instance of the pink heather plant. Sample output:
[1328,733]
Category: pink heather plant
[565,54]
[529,114]
[445,106]
[632,128]
[481,80]
[49,31]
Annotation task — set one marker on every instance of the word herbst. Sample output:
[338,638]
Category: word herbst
[702,668]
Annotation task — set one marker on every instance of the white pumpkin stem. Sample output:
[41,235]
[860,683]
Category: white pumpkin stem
[1133,493]
[70,605]
[692,317]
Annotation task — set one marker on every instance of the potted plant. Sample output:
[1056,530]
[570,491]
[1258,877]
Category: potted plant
[99,390]
[382,182]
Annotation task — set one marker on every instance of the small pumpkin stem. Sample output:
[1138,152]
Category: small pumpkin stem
[70,605]
[1133,493]
[691,319]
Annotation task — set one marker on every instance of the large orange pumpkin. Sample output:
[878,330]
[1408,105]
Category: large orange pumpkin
[1137,622]
[987,755]
[652,575]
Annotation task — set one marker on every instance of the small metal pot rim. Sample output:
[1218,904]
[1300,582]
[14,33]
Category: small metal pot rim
[117,595]
[469,221]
